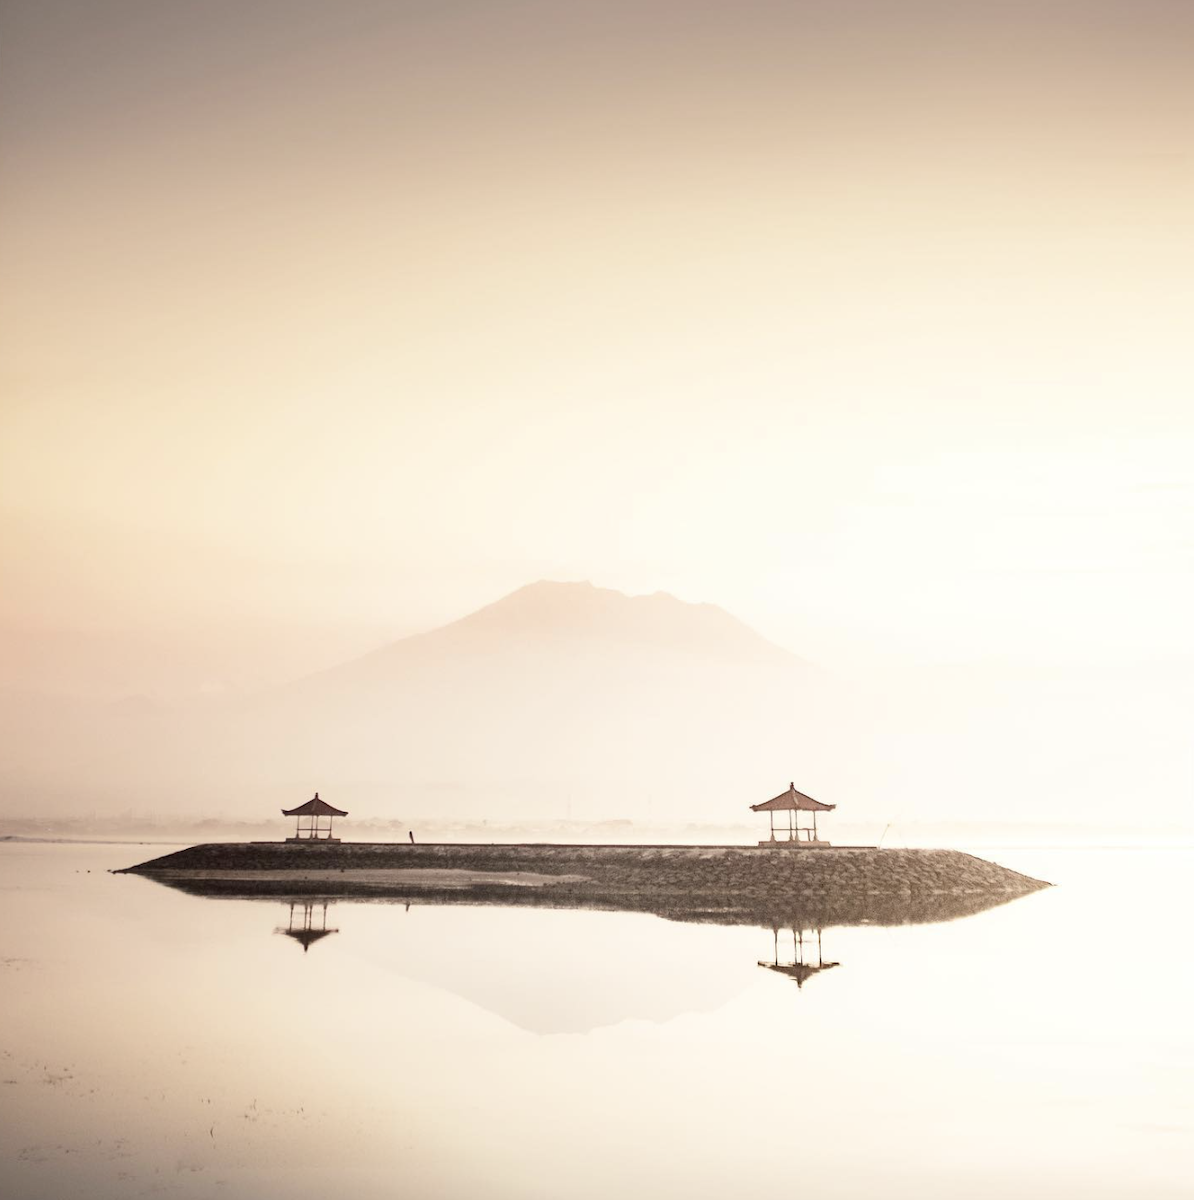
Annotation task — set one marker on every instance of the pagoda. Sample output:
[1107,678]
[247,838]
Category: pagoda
[793,803]
[315,813]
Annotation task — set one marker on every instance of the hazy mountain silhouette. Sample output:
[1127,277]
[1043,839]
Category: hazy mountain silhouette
[559,618]
[558,695]
[561,698]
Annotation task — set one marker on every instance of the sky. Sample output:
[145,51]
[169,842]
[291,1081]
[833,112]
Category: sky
[324,324]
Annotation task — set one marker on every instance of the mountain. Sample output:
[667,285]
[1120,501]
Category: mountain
[559,617]
[571,701]
[561,699]
[557,699]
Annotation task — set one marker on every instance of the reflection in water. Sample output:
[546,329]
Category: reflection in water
[542,974]
[304,925]
[798,954]
[158,1044]
[802,966]
[307,923]
[806,912]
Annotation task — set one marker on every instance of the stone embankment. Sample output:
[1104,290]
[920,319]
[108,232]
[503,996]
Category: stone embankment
[718,883]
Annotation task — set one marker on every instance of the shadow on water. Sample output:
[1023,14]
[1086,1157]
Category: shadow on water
[806,959]
[306,925]
[806,912]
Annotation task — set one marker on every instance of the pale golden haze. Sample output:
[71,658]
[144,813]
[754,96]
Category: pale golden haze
[325,325]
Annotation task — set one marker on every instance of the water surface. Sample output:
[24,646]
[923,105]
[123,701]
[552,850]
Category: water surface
[158,1043]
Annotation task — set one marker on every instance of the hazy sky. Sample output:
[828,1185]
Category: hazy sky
[323,323]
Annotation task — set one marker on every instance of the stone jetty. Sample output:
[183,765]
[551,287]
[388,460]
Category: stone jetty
[845,885]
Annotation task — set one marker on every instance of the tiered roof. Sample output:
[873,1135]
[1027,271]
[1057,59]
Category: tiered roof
[792,799]
[314,808]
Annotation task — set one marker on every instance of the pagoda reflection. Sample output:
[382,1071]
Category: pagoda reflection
[806,958]
[307,923]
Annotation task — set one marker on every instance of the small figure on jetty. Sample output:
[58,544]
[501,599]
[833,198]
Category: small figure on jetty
[410,833]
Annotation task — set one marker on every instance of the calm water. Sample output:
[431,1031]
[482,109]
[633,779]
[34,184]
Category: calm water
[154,1043]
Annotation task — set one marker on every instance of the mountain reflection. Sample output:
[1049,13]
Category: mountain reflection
[551,968]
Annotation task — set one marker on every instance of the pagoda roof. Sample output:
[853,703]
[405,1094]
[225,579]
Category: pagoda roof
[792,799]
[308,937]
[314,808]
[797,971]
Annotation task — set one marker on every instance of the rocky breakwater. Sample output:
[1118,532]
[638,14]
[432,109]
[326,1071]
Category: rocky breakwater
[715,883]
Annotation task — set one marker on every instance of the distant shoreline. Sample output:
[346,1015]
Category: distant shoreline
[69,841]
